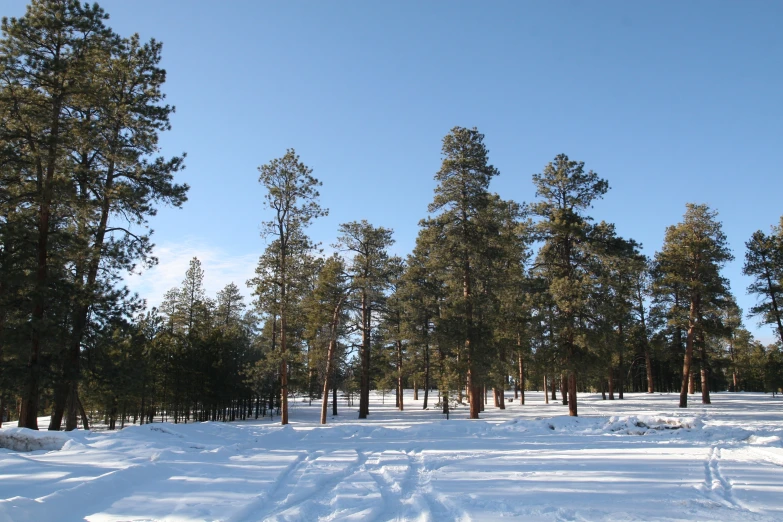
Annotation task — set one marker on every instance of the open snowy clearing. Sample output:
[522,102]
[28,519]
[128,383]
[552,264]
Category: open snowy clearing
[638,459]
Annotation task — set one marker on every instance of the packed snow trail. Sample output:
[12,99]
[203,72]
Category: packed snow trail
[637,459]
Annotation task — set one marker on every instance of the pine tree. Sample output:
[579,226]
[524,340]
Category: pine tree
[566,190]
[421,295]
[764,262]
[326,313]
[693,253]
[370,271]
[293,199]
[460,205]
[117,181]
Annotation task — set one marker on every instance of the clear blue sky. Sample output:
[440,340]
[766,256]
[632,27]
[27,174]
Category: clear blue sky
[671,102]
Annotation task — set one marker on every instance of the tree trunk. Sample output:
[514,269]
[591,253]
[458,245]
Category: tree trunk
[705,370]
[364,382]
[572,394]
[546,392]
[705,385]
[426,372]
[610,380]
[522,379]
[553,385]
[564,391]
[648,365]
[646,342]
[621,368]
[400,404]
[686,366]
[327,378]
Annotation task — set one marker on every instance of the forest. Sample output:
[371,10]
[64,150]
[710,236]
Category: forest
[497,295]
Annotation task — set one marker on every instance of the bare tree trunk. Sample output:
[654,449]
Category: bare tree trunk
[522,379]
[572,393]
[328,377]
[647,357]
[610,379]
[426,371]
[399,375]
[553,385]
[705,369]
[564,391]
[546,392]
[621,373]
[686,366]
[364,388]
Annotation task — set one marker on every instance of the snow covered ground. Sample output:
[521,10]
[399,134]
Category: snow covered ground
[638,459]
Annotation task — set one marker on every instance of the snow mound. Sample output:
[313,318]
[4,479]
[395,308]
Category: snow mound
[650,425]
[764,441]
[631,425]
[24,439]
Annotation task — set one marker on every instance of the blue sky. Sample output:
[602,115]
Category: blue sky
[671,102]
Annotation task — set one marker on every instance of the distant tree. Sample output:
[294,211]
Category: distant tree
[420,295]
[326,314]
[370,271]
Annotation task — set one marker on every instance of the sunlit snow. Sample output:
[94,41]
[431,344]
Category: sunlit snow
[637,459]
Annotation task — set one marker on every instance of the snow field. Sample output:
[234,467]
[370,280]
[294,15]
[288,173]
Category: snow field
[637,459]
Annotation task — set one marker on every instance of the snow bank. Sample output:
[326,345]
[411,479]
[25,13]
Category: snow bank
[23,439]
[650,425]
[615,425]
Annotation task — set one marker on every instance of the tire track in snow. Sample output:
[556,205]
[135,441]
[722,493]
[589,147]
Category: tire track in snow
[265,497]
[718,482]
[108,487]
[309,484]
[425,503]
[717,486]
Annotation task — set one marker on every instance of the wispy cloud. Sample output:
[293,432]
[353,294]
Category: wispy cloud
[220,269]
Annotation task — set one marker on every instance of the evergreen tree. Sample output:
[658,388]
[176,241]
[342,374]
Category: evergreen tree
[326,310]
[462,230]
[764,262]
[566,190]
[46,59]
[370,271]
[689,263]
[292,198]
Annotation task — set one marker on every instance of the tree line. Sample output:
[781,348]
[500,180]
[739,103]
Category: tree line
[496,295]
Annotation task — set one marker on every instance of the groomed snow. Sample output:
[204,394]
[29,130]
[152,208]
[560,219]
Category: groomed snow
[637,459]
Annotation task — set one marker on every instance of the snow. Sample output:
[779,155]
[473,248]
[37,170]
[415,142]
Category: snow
[637,459]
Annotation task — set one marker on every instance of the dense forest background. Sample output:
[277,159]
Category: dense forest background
[496,294]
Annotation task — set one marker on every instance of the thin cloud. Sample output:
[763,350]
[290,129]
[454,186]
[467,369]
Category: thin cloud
[220,269]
